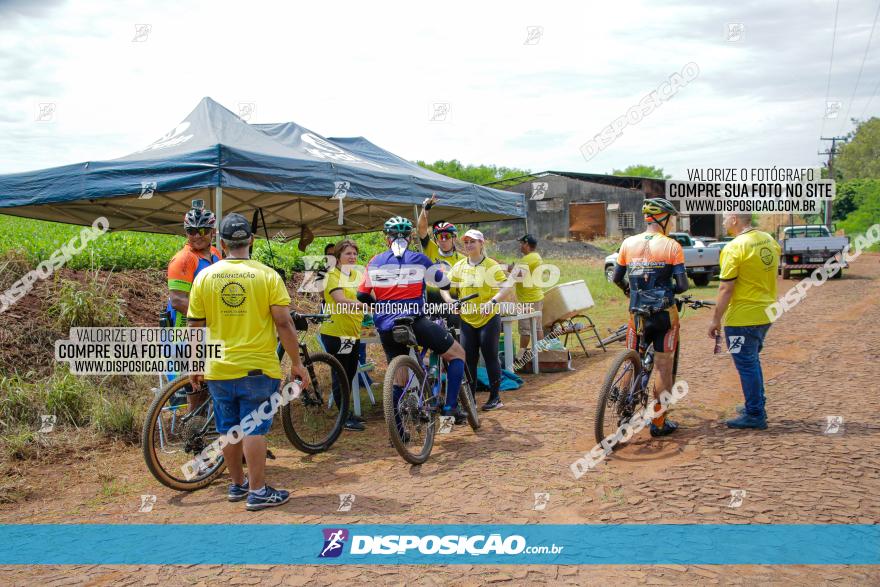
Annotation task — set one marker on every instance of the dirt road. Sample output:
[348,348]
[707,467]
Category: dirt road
[821,359]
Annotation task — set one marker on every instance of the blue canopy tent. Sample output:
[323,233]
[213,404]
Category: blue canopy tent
[297,177]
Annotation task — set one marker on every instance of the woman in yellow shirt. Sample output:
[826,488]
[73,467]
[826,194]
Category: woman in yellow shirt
[341,334]
[480,322]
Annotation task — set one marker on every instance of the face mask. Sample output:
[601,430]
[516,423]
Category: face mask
[399,246]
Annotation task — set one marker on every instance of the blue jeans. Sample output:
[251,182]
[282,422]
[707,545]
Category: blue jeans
[235,399]
[745,344]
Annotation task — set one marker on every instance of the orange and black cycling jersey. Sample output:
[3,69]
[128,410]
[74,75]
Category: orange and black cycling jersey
[652,260]
[185,265]
[182,271]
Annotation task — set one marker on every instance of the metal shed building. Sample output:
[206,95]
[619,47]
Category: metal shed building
[563,205]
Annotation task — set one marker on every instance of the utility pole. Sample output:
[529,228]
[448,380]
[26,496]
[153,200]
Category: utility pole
[831,153]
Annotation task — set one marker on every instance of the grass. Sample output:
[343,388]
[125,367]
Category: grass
[86,304]
[117,417]
[112,406]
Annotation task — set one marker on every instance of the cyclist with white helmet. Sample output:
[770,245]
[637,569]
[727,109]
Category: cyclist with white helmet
[395,284]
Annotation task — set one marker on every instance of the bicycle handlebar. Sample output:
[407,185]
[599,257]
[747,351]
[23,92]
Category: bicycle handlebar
[313,317]
[466,298]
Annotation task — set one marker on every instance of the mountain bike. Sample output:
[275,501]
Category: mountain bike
[173,435]
[626,388]
[413,419]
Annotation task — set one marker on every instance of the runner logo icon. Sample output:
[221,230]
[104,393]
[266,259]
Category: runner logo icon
[334,541]
[735,344]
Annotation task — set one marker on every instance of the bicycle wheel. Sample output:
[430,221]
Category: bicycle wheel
[173,437]
[621,394]
[412,419]
[313,421]
[468,404]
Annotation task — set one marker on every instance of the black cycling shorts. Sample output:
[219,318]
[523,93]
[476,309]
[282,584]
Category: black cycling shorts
[660,329]
[428,334]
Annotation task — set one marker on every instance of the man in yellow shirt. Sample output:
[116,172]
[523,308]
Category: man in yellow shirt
[243,303]
[748,285]
[526,290]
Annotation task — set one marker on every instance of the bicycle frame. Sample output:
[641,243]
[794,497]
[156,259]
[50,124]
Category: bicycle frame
[420,354]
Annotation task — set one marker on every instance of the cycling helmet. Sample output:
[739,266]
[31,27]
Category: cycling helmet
[398,225]
[443,226]
[199,218]
[658,206]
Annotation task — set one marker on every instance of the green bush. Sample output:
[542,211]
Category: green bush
[86,304]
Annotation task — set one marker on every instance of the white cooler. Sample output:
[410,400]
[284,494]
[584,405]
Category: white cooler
[564,301]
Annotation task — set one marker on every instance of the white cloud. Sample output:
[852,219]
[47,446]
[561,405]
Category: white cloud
[357,68]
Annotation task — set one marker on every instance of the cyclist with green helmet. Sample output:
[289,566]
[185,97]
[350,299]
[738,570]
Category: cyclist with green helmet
[656,273]
[395,284]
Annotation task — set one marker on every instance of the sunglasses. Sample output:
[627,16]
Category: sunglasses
[202,231]
[444,236]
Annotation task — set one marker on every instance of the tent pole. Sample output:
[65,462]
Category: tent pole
[416,220]
[218,210]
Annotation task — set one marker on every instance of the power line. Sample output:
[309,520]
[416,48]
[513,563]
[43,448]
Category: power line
[862,66]
[830,64]
[870,99]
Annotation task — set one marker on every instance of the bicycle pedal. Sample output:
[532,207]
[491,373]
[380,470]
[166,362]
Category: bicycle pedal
[269,455]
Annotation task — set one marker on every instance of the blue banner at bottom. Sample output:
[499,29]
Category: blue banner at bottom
[493,544]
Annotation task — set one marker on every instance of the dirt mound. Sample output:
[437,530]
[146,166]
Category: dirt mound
[554,250]
[27,333]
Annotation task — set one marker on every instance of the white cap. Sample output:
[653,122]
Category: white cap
[475,234]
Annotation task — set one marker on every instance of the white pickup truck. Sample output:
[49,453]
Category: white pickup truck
[701,262]
[807,247]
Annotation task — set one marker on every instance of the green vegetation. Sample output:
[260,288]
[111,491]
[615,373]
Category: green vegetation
[90,304]
[113,406]
[479,174]
[119,250]
[857,171]
[642,171]
[859,157]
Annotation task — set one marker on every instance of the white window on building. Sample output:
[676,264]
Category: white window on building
[626,220]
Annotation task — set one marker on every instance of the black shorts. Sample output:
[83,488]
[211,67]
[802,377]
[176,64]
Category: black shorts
[660,329]
[428,334]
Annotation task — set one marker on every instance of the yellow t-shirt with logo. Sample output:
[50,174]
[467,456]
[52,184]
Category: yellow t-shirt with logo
[233,297]
[484,279]
[344,321]
[432,251]
[752,260]
[526,291]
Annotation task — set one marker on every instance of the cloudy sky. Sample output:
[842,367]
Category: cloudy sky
[376,69]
